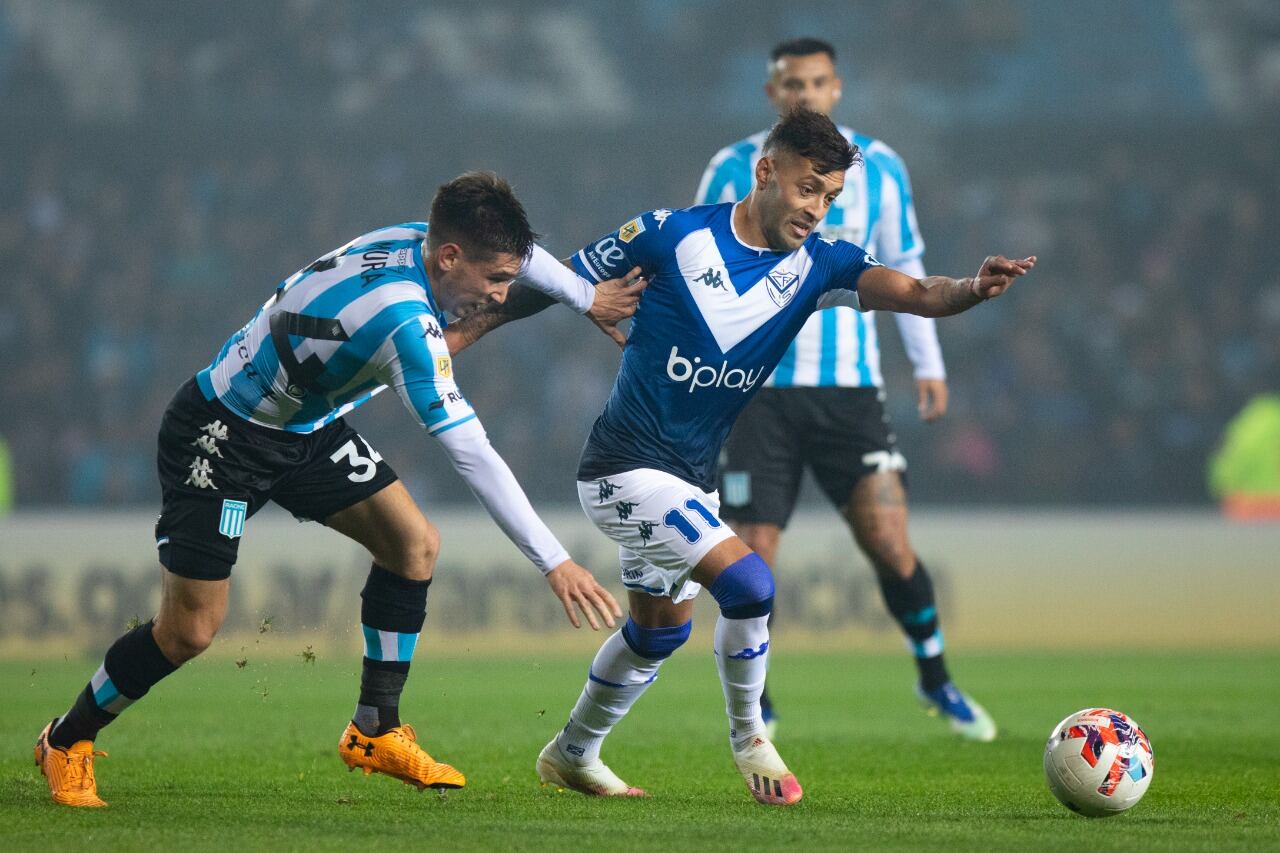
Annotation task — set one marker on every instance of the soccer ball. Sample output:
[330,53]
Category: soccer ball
[1098,762]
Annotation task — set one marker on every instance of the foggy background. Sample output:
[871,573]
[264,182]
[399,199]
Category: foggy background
[163,165]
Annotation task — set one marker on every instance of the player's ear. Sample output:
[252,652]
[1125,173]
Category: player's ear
[839,86]
[448,256]
[764,170]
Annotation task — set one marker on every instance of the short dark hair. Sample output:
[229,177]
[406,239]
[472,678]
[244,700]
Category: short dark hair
[801,47]
[480,212]
[814,137]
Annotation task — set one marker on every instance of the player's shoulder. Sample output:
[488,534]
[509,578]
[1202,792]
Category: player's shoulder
[740,153]
[830,250]
[876,153]
[403,232]
[666,224]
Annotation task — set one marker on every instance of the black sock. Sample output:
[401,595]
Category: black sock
[912,605]
[391,615]
[133,664]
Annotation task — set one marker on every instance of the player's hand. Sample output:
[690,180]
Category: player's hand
[997,275]
[931,398]
[616,300]
[575,586]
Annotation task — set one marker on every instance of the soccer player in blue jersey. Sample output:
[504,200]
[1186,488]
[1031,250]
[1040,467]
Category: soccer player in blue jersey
[823,407]
[730,285]
[264,422]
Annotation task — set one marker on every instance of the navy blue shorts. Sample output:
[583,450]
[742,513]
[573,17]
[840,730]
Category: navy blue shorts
[840,434]
[217,470]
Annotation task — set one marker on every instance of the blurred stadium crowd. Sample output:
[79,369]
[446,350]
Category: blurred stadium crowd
[158,177]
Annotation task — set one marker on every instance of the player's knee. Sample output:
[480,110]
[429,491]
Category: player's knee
[891,554]
[416,554]
[185,639]
[744,590]
[655,643]
[428,546]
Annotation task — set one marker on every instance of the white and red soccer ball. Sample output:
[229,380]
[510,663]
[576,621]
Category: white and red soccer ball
[1098,762]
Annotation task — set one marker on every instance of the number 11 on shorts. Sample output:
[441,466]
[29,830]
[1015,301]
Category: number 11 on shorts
[682,524]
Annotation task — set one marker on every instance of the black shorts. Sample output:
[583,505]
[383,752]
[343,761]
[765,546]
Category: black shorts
[841,434]
[217,470]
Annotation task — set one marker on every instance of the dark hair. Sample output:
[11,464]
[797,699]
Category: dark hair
[480,212]
[802,47]
[814,137]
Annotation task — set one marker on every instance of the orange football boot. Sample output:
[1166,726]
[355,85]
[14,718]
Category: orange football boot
[396,754]
[69,771]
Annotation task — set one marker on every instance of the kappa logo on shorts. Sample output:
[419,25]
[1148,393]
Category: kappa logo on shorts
[231,523]
[606,489]
[201,469]
[646,531]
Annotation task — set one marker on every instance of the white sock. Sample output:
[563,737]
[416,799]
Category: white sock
[617,678]
[742,647]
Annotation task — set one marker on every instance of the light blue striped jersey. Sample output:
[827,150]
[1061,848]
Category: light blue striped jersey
[837,346]
[337,332]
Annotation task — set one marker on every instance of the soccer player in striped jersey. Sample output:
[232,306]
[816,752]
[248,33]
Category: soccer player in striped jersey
[823,407]
[264,422]
[730,285]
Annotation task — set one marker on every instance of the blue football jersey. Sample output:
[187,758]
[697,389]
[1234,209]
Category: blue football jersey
[717,316]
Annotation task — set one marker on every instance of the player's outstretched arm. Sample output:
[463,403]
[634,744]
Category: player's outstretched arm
[498,491]
[576,587]
[883,289]
[615,300]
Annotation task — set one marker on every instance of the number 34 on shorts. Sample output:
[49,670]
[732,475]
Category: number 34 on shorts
[366,466]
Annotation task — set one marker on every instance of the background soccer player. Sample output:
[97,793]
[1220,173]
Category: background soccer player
[823,408]
[264,422]
[730,285]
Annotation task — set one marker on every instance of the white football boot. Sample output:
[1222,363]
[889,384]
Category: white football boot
[765,773]
[594,780]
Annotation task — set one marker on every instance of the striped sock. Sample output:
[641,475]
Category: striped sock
[392,614]
[912,604]
[133,664]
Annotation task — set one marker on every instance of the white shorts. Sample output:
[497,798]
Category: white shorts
[663,527]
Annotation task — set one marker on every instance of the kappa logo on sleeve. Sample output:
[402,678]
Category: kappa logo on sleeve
[631,230]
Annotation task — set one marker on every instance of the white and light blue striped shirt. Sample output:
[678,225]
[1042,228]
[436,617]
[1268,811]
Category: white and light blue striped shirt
[837,346]
[336,333]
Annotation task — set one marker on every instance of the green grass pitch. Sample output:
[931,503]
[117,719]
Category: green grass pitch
[220,757]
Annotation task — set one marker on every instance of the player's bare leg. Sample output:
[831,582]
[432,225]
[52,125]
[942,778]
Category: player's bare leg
[877,515]
[742,584]
[764,539]
[622,670]
[404,547]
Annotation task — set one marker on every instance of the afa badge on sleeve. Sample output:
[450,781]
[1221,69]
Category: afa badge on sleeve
[444,366]
[231,524]
[631,230]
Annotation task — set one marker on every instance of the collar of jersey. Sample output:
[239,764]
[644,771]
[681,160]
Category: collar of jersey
[733,229]
[420,269]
